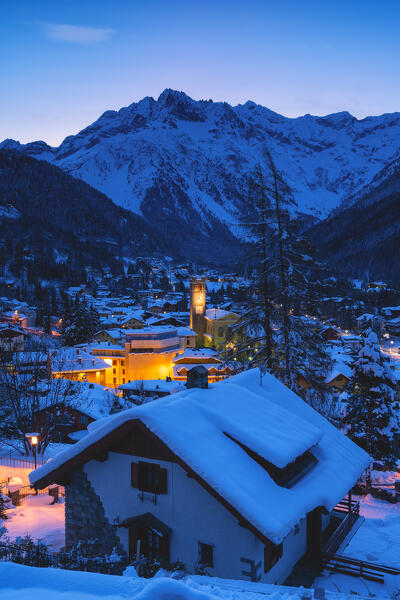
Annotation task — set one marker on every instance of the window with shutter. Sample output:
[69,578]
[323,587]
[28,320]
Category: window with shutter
[134,475]
[162,482]
[149,477]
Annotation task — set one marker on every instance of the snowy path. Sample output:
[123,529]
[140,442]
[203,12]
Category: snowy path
[38,518]
[378,539]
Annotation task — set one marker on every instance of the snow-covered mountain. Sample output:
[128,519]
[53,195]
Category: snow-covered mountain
[178,160]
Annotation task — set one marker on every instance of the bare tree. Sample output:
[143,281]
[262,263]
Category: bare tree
[27,388]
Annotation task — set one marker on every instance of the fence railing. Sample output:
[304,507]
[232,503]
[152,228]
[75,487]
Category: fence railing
[27,490]
[336,539]
[346,505]
[358,568]
[22,492]
[21,463]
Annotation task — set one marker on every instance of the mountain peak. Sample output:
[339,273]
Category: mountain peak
[169,97]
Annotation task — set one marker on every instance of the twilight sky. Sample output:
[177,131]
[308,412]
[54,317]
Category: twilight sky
[63,63]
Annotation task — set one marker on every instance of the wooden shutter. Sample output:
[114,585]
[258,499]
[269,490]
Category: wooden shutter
[162,481]
[134,475]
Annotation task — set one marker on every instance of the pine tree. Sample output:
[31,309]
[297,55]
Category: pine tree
[80,323]
[284,283]
[253,334]
[47,325]
[371,418]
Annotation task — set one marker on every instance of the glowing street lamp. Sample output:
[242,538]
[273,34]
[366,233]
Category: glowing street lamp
[34,439]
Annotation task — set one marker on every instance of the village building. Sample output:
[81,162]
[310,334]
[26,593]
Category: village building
[193,357]
[390,312]
[12,338]
[140,354]
[352,342]
[15,317]
[111,336]
[166,319]
[339,377]
[377,286]
[329,333]
[149,389]
[77,365]
[218,327]
[68,420]
[212,325]
[393,327]
[241,479]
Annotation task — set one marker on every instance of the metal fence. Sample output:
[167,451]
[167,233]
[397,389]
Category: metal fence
[26,462]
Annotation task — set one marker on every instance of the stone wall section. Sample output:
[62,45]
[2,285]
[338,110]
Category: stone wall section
[85,518]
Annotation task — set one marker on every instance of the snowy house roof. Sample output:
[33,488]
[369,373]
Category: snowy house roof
[198,354]
[156,385]
[185,332]
[339,369]
[218,313]
[7,330]
[183,368]
[113,333]
[91,399]
[394,322]
[217,435]
[70,360]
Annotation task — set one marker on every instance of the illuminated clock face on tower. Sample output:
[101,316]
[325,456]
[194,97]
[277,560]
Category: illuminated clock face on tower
[199,300]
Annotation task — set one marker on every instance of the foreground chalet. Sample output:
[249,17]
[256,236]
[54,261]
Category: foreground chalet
[239,478]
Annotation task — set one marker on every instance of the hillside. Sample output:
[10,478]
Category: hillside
[59,211]
[362,239]
[53,218]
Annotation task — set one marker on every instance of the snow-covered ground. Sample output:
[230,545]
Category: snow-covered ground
[39,519]
[378,538]
[8,472]
[378,541]
[18,582]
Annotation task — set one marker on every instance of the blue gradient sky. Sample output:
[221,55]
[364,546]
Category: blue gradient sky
[63,63]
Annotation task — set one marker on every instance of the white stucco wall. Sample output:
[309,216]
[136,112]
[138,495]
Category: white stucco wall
[193,515]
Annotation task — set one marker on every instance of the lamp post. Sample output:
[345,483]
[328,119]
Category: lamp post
[34,439]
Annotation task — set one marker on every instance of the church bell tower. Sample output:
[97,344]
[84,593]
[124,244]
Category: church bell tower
[197,304]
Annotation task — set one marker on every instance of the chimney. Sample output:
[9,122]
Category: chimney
[197,377]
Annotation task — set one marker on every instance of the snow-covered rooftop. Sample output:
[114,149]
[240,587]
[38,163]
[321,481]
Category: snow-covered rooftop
[200,354]
[70,360]
[217,313]
[156,385]
[207,428]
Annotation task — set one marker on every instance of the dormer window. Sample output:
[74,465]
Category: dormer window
[286,476]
